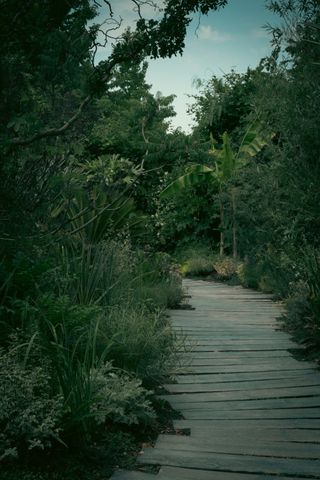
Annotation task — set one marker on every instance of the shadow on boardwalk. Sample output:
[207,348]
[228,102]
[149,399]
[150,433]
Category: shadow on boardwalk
[252,410]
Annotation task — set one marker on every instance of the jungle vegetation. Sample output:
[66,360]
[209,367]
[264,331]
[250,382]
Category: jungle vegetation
[101,200]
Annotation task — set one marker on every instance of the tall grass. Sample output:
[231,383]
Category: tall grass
[94,392]
[143,342]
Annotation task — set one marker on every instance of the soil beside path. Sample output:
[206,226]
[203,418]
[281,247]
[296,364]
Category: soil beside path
[252,410]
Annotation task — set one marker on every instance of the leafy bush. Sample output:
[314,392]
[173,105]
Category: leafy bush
[157,282]
[302,318]
[225,267]
[29,415]
[119,398]
[271,272]
[97,316]
[197,266]
[94,392]
[249,273]
[202,261]
[196,260]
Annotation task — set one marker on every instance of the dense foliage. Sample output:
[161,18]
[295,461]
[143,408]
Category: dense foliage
[98,194]
[84,334]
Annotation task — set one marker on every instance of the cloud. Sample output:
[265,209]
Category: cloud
[206,32]
[260,33]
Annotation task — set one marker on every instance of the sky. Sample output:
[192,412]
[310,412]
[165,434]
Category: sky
[230,38]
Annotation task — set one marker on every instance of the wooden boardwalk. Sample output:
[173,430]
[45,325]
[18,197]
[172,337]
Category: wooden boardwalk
[252,410]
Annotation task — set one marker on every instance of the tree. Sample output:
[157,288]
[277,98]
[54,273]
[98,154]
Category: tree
[227,162]
[223,103]
[50,44]
[51,81]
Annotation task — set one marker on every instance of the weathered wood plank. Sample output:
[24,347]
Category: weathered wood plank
[243,447]
[175,473]
[132,475]
[231,377]
[232,463]
[259,414]
[295,402]
[274,384]
[245,395]
[245,432]
[232,366]
[212,425]
[239,355]
[212,336]
[239,348]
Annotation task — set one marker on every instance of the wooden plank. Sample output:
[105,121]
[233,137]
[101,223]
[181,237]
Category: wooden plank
[240,355]
[274,384]
[211,425]
[213,336]
[245,320]
[231,366]
[132,475]
[229,359]
[175,473]
[244,447]
[225,328]
[277,434]
[243,341]
[245,395]
[295,402]
[260,414]
[232,463]
[238,348]
[230,377]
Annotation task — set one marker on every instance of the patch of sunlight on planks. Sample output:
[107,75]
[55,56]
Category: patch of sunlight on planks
[251,409]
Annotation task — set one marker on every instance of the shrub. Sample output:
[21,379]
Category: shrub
[97,316]
[196,260]
[270,272]
[29,415]
[197,266]
[94,392]
[249,273]
[157,282]
[226,268]
[119,398]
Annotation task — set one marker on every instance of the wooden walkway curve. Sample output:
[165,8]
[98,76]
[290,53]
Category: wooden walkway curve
[252,410]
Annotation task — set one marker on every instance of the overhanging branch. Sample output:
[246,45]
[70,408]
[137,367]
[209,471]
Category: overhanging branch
[53,132]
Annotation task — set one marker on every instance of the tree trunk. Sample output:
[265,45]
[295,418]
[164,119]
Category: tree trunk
[221,227]
[234,226]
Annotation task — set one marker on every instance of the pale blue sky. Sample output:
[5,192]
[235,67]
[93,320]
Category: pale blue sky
[232,37]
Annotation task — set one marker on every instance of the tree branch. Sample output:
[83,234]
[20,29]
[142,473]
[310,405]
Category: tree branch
[53,132]
[141,42]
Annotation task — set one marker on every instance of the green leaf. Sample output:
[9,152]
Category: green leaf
[198,174]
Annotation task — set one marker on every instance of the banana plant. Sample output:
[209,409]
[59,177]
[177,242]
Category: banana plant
[227,162]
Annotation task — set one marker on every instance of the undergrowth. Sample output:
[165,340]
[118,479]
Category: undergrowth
[84,345]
